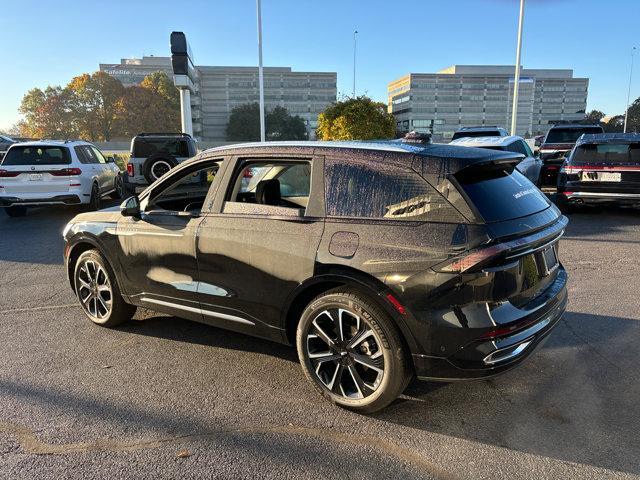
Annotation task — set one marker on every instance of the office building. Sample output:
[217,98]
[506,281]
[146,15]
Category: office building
[219,89]
[470,95]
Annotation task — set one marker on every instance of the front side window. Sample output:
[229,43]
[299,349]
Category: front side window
[270,183]
[188,190]
[382,191]
[89,154]
[98,154]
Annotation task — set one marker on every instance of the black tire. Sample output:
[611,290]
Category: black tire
[17,211]
[94,200]
[154,167]
[369,336]
[119,191]
[109,310]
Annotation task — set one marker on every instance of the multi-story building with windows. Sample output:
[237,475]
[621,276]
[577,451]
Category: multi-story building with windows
[219,89]
[469,95]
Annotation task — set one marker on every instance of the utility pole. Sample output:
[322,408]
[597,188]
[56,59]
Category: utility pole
[260,72]
[516,85]
[353,93]
[626,112]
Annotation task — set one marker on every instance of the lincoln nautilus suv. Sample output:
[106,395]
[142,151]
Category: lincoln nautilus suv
[378,261]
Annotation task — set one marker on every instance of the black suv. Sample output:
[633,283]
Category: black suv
[558,142]
[379,261]
[602,168]
[154,154]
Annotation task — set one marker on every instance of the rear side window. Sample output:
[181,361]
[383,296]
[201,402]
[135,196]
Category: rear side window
[500,194]
[607,153]
[30,155]
[518,147]
[146,147]
[383,191]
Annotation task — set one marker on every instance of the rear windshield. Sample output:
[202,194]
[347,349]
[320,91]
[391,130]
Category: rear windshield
[501,194]
[607,153]
[29,155]
[145,147]
[569,135]
[483,133]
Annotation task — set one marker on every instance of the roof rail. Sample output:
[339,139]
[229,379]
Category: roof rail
[164,134]
[479,126]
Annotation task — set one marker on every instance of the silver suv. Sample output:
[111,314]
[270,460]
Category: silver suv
[154,154]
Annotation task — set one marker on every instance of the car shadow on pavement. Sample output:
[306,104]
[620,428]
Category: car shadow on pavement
[181,330]
[575,400]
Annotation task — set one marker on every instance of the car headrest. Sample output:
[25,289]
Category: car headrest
[268,192]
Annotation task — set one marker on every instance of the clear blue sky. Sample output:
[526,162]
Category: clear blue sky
[48,42]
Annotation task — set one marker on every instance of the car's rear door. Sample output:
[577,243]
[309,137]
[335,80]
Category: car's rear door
[254,247]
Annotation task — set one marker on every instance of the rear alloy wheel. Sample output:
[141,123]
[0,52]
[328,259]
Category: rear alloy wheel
[17,211]
[119,192]
[94,200]
[98,292]
[351,351]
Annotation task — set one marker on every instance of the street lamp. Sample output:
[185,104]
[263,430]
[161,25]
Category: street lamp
[626,112]
[353,94]
[260,71]
[516,86]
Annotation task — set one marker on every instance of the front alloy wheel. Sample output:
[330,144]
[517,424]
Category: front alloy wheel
[98,292]
[351,351]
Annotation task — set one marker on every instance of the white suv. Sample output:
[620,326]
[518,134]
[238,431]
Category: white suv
[56,173]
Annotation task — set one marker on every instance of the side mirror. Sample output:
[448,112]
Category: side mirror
[130,207]
[110,159]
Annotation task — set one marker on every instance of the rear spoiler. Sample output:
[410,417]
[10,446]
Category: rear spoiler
[510,161]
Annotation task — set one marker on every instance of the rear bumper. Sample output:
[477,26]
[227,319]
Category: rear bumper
[68,199]
[581,198]
[488,357]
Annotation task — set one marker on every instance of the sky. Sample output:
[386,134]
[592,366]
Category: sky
[49,42]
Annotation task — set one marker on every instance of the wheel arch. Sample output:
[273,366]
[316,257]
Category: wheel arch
[327,278]
[78,247]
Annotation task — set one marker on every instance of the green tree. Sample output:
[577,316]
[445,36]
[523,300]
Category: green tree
[244,124]
[594,117]
[633,116]
[95,104]
[280,125]
[357,118]
[614,125]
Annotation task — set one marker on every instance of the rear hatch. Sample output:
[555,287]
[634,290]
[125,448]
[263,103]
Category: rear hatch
[28,170]
[612,167]
[515,257]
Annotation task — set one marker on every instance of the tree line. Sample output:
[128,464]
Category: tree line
[98,107]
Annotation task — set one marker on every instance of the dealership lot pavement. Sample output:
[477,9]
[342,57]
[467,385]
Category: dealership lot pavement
[167,398]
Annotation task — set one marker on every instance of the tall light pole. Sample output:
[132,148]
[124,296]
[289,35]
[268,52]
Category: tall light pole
[260,71]
[626,112]
[353,93]
[516,85]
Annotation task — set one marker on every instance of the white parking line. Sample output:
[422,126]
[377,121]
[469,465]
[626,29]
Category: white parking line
[45,307]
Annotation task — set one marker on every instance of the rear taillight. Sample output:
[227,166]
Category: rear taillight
[7,174]
[471,259]
[66,172]
[130,170]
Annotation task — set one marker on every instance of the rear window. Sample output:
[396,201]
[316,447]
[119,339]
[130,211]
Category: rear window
[146,147]
[607,153]
[29,155]
[483,133]
[569,135]
[501,194]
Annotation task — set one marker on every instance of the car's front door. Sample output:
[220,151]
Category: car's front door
[158,248]
[261,243]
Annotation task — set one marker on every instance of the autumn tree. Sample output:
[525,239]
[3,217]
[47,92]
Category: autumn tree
[48,113]
[95,104]
[357,118]
[594,117]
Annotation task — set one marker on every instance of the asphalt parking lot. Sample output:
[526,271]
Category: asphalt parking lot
[167,398]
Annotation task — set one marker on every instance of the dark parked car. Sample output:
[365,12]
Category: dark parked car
[379,261]
[557,144]
[603,168]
